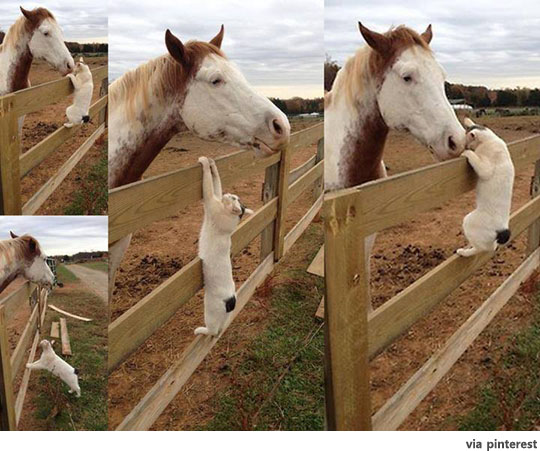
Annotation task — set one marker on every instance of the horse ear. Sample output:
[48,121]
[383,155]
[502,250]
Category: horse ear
[13,235]
[176,48]
[28,14]
[427,35]
[218,38]
[377,41]
[32,245]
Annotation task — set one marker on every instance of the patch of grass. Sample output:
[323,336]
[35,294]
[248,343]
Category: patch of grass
[510,400]
[99,266]
[92,196]
[278,385]
[64,275]
[52,406]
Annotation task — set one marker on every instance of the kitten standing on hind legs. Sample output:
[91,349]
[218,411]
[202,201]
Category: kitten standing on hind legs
[77,113]
[487,226]
[222,213]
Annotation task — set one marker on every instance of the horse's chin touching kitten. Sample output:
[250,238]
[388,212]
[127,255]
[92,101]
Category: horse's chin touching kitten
[487,226]
[51,362]
[222,213]
[77,113]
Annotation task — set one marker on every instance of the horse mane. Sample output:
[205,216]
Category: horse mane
[20,244]
[163,76]
[22,26]
[368,65]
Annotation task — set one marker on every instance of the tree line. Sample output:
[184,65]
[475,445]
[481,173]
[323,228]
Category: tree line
[76,47]
[298,105]
[476,96]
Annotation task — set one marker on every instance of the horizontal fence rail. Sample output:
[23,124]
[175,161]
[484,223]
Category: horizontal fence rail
[354,336]
[14,166]
[141,203]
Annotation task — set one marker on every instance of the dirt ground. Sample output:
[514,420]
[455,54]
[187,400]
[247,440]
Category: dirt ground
[153,256]
[38,125]
[95,280]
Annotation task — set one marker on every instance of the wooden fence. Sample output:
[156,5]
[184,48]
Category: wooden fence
[14,166]
[11,363]
[353,336]
[139,204]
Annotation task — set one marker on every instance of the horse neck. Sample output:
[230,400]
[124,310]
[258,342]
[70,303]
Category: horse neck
[15,63]
[10,266]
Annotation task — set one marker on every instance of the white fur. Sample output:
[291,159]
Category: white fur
[47,43]
[51,362]
[84,87]
[490,159]
[221,216]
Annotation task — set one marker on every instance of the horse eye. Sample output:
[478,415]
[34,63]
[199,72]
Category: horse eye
[46,33]
[217,81]
[407,78]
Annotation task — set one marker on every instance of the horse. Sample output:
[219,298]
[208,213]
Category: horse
[22,255]
[35,34]
[394,82]
[192,87]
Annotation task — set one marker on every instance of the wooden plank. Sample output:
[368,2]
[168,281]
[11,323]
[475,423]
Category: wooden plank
[66,345]
[103,91]
[37,97]
[138,204]
[533,240]
[16,299]
[41,196]
[305,181]
[131,329]
[395,316]
[301,226]
[55,329]
[346,310]
[71,315]
[20,350]
[7,408]
[306,137]
[383,203]
[10,184]
[399,406]
[21,395]
[283,202]
[298,172]
[43,149]
[317,265]
[320,309]
[163,392]
[319,185]
[269,192]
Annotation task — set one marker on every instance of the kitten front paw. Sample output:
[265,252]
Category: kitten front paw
[467,153]
[204,161]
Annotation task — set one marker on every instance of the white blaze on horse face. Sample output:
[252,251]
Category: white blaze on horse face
[221,106]
[39,271]
[48,43]
[412,97]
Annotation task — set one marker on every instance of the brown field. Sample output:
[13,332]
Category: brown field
[153,256]
[38,125]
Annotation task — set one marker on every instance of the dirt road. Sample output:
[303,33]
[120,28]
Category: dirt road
[93,279]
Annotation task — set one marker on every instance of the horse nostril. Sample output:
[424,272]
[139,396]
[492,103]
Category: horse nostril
[452,144]
[278,129]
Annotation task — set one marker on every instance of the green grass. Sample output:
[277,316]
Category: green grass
[52,406]
[510,400]
[64,275]
[92,196]
[99,266]
[278,385]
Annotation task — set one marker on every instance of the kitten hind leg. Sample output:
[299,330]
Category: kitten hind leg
[202,331]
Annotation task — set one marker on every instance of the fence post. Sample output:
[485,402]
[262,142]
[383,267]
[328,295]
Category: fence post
[103,91]
[269,191]
[283,200]
[319,184]
[534,229]
[7,407]
[346,310]
[10,172]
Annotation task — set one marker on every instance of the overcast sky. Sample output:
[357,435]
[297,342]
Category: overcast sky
[80,20]
[60,235]
[492,43]
[277,44]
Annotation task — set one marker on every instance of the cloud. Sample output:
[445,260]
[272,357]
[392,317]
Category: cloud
[277,44]
[482,42]
[60,234]
[79,19]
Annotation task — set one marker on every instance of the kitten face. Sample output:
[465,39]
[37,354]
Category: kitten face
[233,206]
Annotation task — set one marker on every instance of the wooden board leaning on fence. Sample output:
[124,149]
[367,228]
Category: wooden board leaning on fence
[14,166]
[353,337]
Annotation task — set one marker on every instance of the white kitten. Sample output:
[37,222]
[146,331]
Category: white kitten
[487,226]
[51,362]
[222,213]
[77,113]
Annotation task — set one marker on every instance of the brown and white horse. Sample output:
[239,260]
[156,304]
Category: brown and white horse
[193,87]
[22,255]
[35,34]
[394,82]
